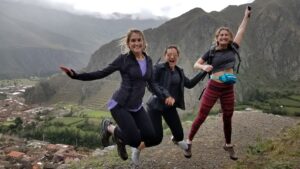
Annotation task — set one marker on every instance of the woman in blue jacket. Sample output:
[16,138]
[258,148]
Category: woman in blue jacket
[134,127]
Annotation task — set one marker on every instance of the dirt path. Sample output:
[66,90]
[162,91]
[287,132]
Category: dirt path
[248,126]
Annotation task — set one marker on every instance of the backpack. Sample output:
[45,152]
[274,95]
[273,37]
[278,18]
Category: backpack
[212,51]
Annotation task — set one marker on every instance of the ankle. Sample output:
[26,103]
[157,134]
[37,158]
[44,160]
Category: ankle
[141,146]
[111,128]
[188,141]
[228,145]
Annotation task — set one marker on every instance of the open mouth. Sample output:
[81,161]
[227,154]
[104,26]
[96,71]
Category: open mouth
[171,61]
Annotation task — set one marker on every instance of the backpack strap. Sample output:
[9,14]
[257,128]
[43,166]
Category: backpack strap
[211,54]
[158,60]
[212,51]
[239,57]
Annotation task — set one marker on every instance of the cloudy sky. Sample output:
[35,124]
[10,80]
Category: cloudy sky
[146,8]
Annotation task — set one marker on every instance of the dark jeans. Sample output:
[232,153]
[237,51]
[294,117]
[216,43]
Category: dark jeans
[132,127]
[172,119]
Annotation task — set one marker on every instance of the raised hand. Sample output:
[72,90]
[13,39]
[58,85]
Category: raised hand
[248,11]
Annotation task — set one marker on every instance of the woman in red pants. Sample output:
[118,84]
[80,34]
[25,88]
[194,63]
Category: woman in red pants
[221,82]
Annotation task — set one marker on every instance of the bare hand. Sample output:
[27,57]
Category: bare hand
[70,72]
[170,101]
[207,68]
[248,11]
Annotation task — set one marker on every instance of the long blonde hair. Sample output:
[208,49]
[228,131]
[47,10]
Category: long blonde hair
[125,40]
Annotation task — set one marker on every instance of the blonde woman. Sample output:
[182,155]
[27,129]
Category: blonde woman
[134,127]
[221,83]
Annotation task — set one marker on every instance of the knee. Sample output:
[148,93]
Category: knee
[204,111]
[227,114]
[134,141]
[155,141]
[158,139]
[202,115]
[179,137]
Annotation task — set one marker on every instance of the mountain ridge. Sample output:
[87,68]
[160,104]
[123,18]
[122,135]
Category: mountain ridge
[269,52]
[26,27]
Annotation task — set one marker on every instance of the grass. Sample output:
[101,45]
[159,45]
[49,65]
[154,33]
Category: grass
[109,159]
[68,121]
[286,102]
[295,97]
[7,123]
[96,114]
[280,153]
[281,104]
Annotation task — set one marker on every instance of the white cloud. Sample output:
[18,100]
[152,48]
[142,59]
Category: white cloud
[146,8]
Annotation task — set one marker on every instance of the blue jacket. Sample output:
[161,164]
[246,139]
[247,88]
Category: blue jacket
[132,89]
[162,74]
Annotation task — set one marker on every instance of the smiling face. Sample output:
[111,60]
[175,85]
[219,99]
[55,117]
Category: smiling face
[171,56]
[223,37]
[135,43]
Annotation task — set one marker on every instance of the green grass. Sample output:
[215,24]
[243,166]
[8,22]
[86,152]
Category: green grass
[96,114]
[240,107]
[7,123]
[286,102]
[295,97]
[110,159]
[279,104]
[68,121]
[279,153]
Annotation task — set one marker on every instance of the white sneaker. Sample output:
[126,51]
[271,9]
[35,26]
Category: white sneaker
[182,144]
[135,156]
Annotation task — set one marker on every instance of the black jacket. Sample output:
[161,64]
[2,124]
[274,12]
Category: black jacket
[162,74]
[132,89]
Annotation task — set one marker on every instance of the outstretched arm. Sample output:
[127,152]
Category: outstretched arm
[112,67]
[242,28]
[190,83]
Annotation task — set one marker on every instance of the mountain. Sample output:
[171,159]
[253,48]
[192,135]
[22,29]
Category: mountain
[269,51]
[35,40]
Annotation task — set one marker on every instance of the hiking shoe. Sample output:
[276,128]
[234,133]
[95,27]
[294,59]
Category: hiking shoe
[135,156]
[104,134]
[121,149]
[182,144]
[231,152]
[188,151]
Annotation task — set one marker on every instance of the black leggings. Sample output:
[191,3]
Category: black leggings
[171,118]
[132,127]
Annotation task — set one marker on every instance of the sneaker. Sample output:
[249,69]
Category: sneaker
[182,144]
[121,149]
[104,134]
[188,151]
[135,156]
[231,152]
